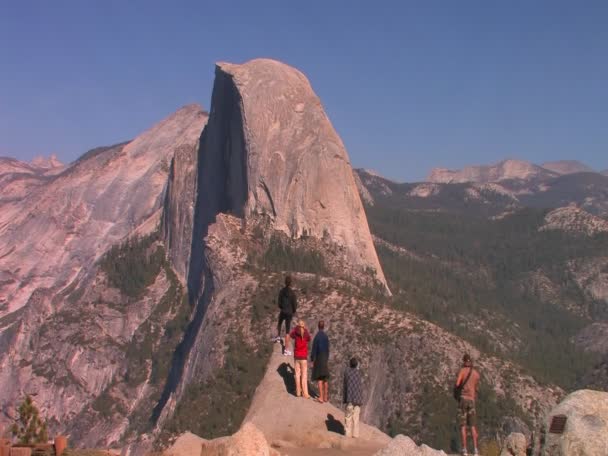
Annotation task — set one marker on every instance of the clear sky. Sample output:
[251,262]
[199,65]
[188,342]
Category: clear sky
[409,85]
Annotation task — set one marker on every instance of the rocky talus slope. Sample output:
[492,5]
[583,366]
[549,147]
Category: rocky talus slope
[575,220]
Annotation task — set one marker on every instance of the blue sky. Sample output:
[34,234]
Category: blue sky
[408,85]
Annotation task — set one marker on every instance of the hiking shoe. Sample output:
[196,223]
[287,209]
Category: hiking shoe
[287,353]
[464,453]
[475,451]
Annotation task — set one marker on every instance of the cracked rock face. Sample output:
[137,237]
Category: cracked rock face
[270,148]
[63,332]
[61,227]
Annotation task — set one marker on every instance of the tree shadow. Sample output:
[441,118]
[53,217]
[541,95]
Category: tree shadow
[333,425]
[286,371]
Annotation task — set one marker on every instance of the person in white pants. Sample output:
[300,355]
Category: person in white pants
[353,398]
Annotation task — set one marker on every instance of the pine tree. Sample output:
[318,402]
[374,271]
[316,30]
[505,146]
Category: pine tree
[29,427]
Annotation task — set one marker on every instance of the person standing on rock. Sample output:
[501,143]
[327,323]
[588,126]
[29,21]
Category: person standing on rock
[301,339]
[467,384]
[353,398]
[288,305]
[319,356]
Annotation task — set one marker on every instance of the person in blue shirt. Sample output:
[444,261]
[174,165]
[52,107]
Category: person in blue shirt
[319,357]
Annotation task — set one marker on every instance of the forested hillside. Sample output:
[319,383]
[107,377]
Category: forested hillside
[500,282]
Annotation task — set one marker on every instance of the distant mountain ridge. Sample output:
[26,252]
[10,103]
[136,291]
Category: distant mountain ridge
[567,167]
[587,191]
[506,170]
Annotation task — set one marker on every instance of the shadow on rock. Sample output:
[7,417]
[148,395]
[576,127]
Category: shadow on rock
[333,425]
[286,371]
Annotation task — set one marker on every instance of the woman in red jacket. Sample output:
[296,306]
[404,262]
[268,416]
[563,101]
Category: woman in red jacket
[301,339]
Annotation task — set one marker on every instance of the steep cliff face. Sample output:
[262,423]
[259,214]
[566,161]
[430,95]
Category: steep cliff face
[270,149]
[60,228]
[178,214]
[68,329]
[268,155]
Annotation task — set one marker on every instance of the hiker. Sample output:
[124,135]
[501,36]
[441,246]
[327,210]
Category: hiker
[319,356]
[301,339]
[467,383]
[288,304]
[353,398]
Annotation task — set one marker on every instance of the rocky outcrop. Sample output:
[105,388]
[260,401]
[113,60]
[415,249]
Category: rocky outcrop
[248,441]
[504,170]
[269,149]
[404,446]
[187,444]
[514,445]
[586,428]
[574,220]
[50,163]
[283,417]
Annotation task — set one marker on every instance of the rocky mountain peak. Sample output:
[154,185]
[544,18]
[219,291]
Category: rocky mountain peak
[49,162]
[45,239]
[270,149]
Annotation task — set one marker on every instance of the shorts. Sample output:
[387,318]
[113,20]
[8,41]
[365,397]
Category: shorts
[466,412]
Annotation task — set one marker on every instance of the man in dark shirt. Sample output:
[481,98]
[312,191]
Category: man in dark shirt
[319,356]
[353,398]
[287,304]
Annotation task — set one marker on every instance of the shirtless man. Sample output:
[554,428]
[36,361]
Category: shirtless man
[468,381]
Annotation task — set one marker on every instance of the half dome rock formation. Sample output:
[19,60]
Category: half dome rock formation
[270,149]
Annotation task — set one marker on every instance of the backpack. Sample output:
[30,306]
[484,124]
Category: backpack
[458,388]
